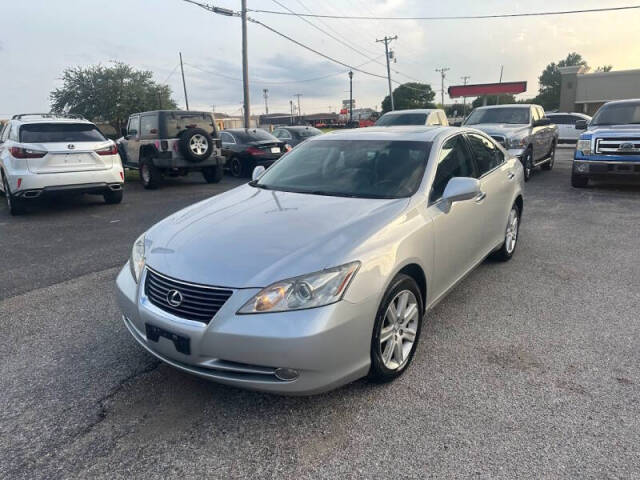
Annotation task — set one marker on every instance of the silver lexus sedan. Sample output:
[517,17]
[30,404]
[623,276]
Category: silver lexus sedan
[320,270]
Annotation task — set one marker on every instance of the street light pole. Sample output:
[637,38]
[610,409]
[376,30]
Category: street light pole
[184,85]
[245,65]
[291,107]
[442,72]
[464,99]
[386,41]
[299,111]
[350,96]
[265,92]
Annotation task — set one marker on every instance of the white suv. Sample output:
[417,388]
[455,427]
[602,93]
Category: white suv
[42,154]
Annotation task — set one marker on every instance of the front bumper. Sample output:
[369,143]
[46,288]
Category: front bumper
[327,346]
[599,167]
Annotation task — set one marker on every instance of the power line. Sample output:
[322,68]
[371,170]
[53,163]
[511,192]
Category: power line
[456,17]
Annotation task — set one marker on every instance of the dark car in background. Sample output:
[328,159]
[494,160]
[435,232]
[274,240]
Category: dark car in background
[247,148]
[295,135]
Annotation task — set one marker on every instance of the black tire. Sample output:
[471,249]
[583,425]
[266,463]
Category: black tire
[123,154]
[379,372]
[195,145]
[507,250]
[237,167]
[552,158]
[213,174]
[113,197]
[150,175]
[579,181]
[527,164]
[15,204]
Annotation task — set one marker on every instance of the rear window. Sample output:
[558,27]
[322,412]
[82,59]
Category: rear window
[402,119]
[60,132]
[179,122]
[309,132]
[255,135]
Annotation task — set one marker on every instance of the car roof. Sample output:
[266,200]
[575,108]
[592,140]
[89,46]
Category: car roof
[243,130]
[298,127]
[417,133]
[618,102]
[28,121]
[551,114]
[414,110]
[509,105]
[197,112]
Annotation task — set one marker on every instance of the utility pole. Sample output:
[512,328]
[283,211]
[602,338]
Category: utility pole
[184,85]
[299,111]
[442,71]
[386,41]
[464,99]
[350,96]
[245,65]
[265,93]
[291,106]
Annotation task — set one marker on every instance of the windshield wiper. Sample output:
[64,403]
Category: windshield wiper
[255,184]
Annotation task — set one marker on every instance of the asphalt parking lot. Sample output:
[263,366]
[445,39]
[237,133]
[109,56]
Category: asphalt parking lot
[529,369]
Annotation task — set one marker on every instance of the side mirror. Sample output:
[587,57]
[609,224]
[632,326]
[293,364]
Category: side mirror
[123,131]
[581,125]
[457,124]
[257,172]
[543,122]
[459,189]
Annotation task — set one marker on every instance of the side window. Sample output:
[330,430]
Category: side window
[454,160]
[282,134]
[13,133]
[433,119]
[487,155]
[148,125]
[443,118]
[534,115]
[572,119]
[134,126]
[226,137]
[5,133]
[540,112]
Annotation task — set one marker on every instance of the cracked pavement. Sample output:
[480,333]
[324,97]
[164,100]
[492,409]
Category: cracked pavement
[528,369]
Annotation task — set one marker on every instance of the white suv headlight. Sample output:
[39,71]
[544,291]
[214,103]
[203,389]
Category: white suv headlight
[136,262]
[307,291]
[584,146]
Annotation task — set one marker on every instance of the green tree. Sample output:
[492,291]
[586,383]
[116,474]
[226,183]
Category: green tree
[549,91]
[493,100]
[109,94]
[410,95]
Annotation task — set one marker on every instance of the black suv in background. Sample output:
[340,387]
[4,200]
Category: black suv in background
[171,142]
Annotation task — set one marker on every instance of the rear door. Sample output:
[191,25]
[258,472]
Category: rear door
[64,147]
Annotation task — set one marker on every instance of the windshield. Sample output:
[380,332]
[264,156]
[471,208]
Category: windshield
[308,132]
[350,168]
[499,115]
[389,120]
[254,135]
[60,132]
[617,114]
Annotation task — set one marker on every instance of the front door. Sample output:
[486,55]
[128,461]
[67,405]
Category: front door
[133,140]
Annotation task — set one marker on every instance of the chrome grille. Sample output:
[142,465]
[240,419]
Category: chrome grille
[199,302]
[612,146]
[500,139]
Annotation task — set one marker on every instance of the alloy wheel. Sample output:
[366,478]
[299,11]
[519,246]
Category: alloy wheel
[399,329]
[236,167]
[7,192]
[198,144]
[145,173]
[511,236]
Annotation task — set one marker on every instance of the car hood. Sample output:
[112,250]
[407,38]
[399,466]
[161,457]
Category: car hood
[250,237]
[614,130]
[506,129]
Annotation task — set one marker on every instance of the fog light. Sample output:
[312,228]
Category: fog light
[286,374]
[582,167]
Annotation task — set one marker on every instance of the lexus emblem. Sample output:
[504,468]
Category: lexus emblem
[174,298]
[626,146]
[71,146]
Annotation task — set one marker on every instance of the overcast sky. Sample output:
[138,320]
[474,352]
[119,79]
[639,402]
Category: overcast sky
[42,37]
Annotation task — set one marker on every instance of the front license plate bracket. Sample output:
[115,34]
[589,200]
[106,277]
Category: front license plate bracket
[182,344]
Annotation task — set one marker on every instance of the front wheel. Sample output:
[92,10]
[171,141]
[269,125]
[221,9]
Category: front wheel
[396,329]
[552,158]
[527,164]
[511,235]
[213,174]
[579,181]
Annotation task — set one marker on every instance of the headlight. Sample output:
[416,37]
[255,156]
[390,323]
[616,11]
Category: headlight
[136,262]
[584,146]
[516,142]
[307,291]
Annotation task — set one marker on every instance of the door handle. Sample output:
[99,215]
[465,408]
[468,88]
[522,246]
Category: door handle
[510,175]
[480,197]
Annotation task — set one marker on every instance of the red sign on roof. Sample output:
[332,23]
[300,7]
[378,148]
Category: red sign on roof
[487,89]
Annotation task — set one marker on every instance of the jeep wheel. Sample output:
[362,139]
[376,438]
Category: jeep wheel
[527,164]
[213,174]
[236,167]
[150,176]
[196,145]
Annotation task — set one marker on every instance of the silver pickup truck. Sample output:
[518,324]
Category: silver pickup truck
[522,129]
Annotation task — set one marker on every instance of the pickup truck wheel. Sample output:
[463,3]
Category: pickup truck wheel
[510,236]
[112,197]
[527,164]
[16,205]
[237,168]
[213,174]
[150,176]
[579,181]
[552,158]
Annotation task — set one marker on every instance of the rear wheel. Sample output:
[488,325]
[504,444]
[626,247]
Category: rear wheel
[150,176]
[579,181]
[15,204]
[237,168]
[213,174]
[396,329]
[113,197]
